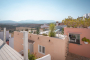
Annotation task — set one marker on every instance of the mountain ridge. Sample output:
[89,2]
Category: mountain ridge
[28,21]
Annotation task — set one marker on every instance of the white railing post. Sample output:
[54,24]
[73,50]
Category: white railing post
[4,35]
[25,41]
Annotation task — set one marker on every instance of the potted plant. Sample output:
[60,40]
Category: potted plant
[86,41]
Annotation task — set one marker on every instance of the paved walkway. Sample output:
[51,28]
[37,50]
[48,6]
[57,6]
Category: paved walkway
[72,56]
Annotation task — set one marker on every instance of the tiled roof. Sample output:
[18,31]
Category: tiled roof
[8,53]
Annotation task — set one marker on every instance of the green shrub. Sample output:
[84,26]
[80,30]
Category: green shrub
[52,34]
[31,56]
[45,35]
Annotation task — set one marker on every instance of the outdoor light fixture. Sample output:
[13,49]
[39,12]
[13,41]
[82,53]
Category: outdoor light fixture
[49,40]
[30,36]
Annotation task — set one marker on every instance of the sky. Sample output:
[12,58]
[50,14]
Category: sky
[42,9]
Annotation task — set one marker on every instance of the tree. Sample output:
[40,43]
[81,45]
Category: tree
[52,28]
[37,31]
[79,22]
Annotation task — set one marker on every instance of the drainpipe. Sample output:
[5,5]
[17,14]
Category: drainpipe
[4,35]
[25,41]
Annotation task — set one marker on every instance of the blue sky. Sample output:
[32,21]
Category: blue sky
[42,9]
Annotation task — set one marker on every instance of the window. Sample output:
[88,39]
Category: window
[41,49]
[74,38]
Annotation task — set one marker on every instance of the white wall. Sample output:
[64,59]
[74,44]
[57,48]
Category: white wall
[47,57]
[44,26]
[11,42]
[89,14]
[7,35]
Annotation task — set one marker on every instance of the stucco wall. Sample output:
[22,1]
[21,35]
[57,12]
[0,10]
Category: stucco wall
[56,47]
[83,49]
[18,41]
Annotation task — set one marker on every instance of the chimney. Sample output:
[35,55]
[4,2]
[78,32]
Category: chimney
[4,35]
[25,41]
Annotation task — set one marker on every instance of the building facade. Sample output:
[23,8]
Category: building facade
[42,45]
[76,45]
[86,15]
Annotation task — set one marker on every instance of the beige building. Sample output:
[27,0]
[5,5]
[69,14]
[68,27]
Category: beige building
[42,45]
[23,28]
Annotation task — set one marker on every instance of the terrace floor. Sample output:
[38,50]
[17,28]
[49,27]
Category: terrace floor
[72,56]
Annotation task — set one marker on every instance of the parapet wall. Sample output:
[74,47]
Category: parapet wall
[54,46]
